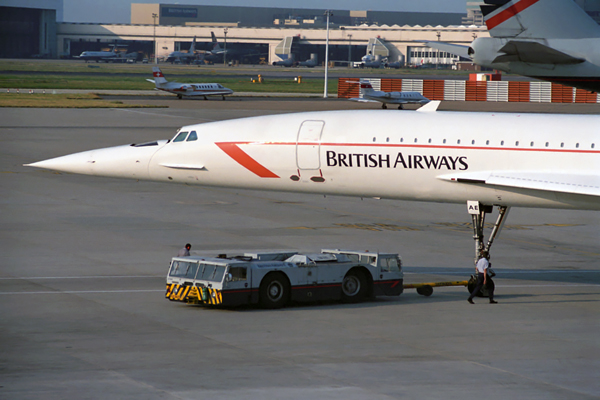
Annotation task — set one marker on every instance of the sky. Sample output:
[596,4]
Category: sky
[119,11]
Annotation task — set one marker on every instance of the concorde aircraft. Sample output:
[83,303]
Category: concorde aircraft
[522,160]
[188,89]
[371,95]
[552,40]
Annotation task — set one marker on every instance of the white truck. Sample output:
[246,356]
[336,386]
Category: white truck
[275,279]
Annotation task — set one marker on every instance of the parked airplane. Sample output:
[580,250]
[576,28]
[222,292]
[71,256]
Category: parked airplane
[183,57]
[310,63]
[106,56]
[385,98]
[188,89]
[285,62]
[524,160]
[552,40]
[231,53]
[370,61]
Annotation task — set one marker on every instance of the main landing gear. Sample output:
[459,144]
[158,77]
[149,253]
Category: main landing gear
[384,106]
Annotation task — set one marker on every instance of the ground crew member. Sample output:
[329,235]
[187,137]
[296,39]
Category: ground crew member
[482,266]
[185,251]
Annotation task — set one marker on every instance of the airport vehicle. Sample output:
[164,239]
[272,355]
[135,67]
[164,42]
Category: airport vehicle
[370,95]
[521,160]
[552,40]
[183,57]
[274,279]
[188,89]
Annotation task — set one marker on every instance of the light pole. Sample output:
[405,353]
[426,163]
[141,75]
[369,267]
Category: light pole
[328,13]
[154,16]
[225,48]
[349,50]
[437,62]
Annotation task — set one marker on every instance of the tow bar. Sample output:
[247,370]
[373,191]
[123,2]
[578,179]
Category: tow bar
[426,289]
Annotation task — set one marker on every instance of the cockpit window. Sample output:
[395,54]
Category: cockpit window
[180,137]
[192,136]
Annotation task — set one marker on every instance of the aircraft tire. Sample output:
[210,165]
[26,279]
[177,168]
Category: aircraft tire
[354,287]
[274,291]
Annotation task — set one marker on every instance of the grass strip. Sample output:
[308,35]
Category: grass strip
[39,100]
[85,82]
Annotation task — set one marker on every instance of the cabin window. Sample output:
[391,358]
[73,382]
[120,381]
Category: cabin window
[415,140]
[592,145]
[429,141]
[577,145]
[517,143]
[374,139]
[502,143]
[401,140]
[180,137]
[562,145]
[531,144]
[487,142]
[472,142]
[192,136]
[444,141]
[387,139]
[547,144]
[458,141]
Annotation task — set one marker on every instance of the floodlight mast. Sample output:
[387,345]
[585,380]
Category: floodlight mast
[328,13]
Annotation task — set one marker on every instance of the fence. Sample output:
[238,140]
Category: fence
[508,91]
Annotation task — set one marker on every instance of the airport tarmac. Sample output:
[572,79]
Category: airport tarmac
[83,263]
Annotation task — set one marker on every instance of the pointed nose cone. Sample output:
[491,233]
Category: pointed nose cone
[120,162]
[79,163]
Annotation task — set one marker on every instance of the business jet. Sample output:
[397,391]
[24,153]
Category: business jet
[385,98]
[552,40]
[510,160]
[188,89]
[106,56]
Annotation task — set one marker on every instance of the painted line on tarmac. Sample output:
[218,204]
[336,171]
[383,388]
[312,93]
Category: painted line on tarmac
[86,291]
[505,272]
[163,115]
[81,277]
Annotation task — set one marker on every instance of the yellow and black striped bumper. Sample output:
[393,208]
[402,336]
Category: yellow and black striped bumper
[193,294]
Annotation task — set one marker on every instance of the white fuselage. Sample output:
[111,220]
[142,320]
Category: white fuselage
[427,156]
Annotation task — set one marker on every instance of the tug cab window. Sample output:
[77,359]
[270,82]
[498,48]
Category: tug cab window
[180,137]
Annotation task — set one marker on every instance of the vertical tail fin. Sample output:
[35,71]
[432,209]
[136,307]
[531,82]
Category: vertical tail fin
[548,19]
[159,78]
[193,46]
[216,46]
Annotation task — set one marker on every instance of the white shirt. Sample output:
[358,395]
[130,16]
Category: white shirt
[482,265]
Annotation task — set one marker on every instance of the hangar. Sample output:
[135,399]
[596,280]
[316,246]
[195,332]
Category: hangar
[301,32]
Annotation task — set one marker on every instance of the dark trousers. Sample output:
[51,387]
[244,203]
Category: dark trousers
[479,286]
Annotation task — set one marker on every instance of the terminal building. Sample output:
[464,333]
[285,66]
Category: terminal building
[29,28]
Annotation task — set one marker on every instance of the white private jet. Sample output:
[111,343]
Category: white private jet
[521,160]
[373,96]
[553,40]
[188,89]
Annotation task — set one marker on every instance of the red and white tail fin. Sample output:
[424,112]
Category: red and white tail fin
[535,19]
[159,78]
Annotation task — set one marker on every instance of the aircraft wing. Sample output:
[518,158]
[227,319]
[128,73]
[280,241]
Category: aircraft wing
[459,50]
[534,52]
[363,100]
[546,181]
